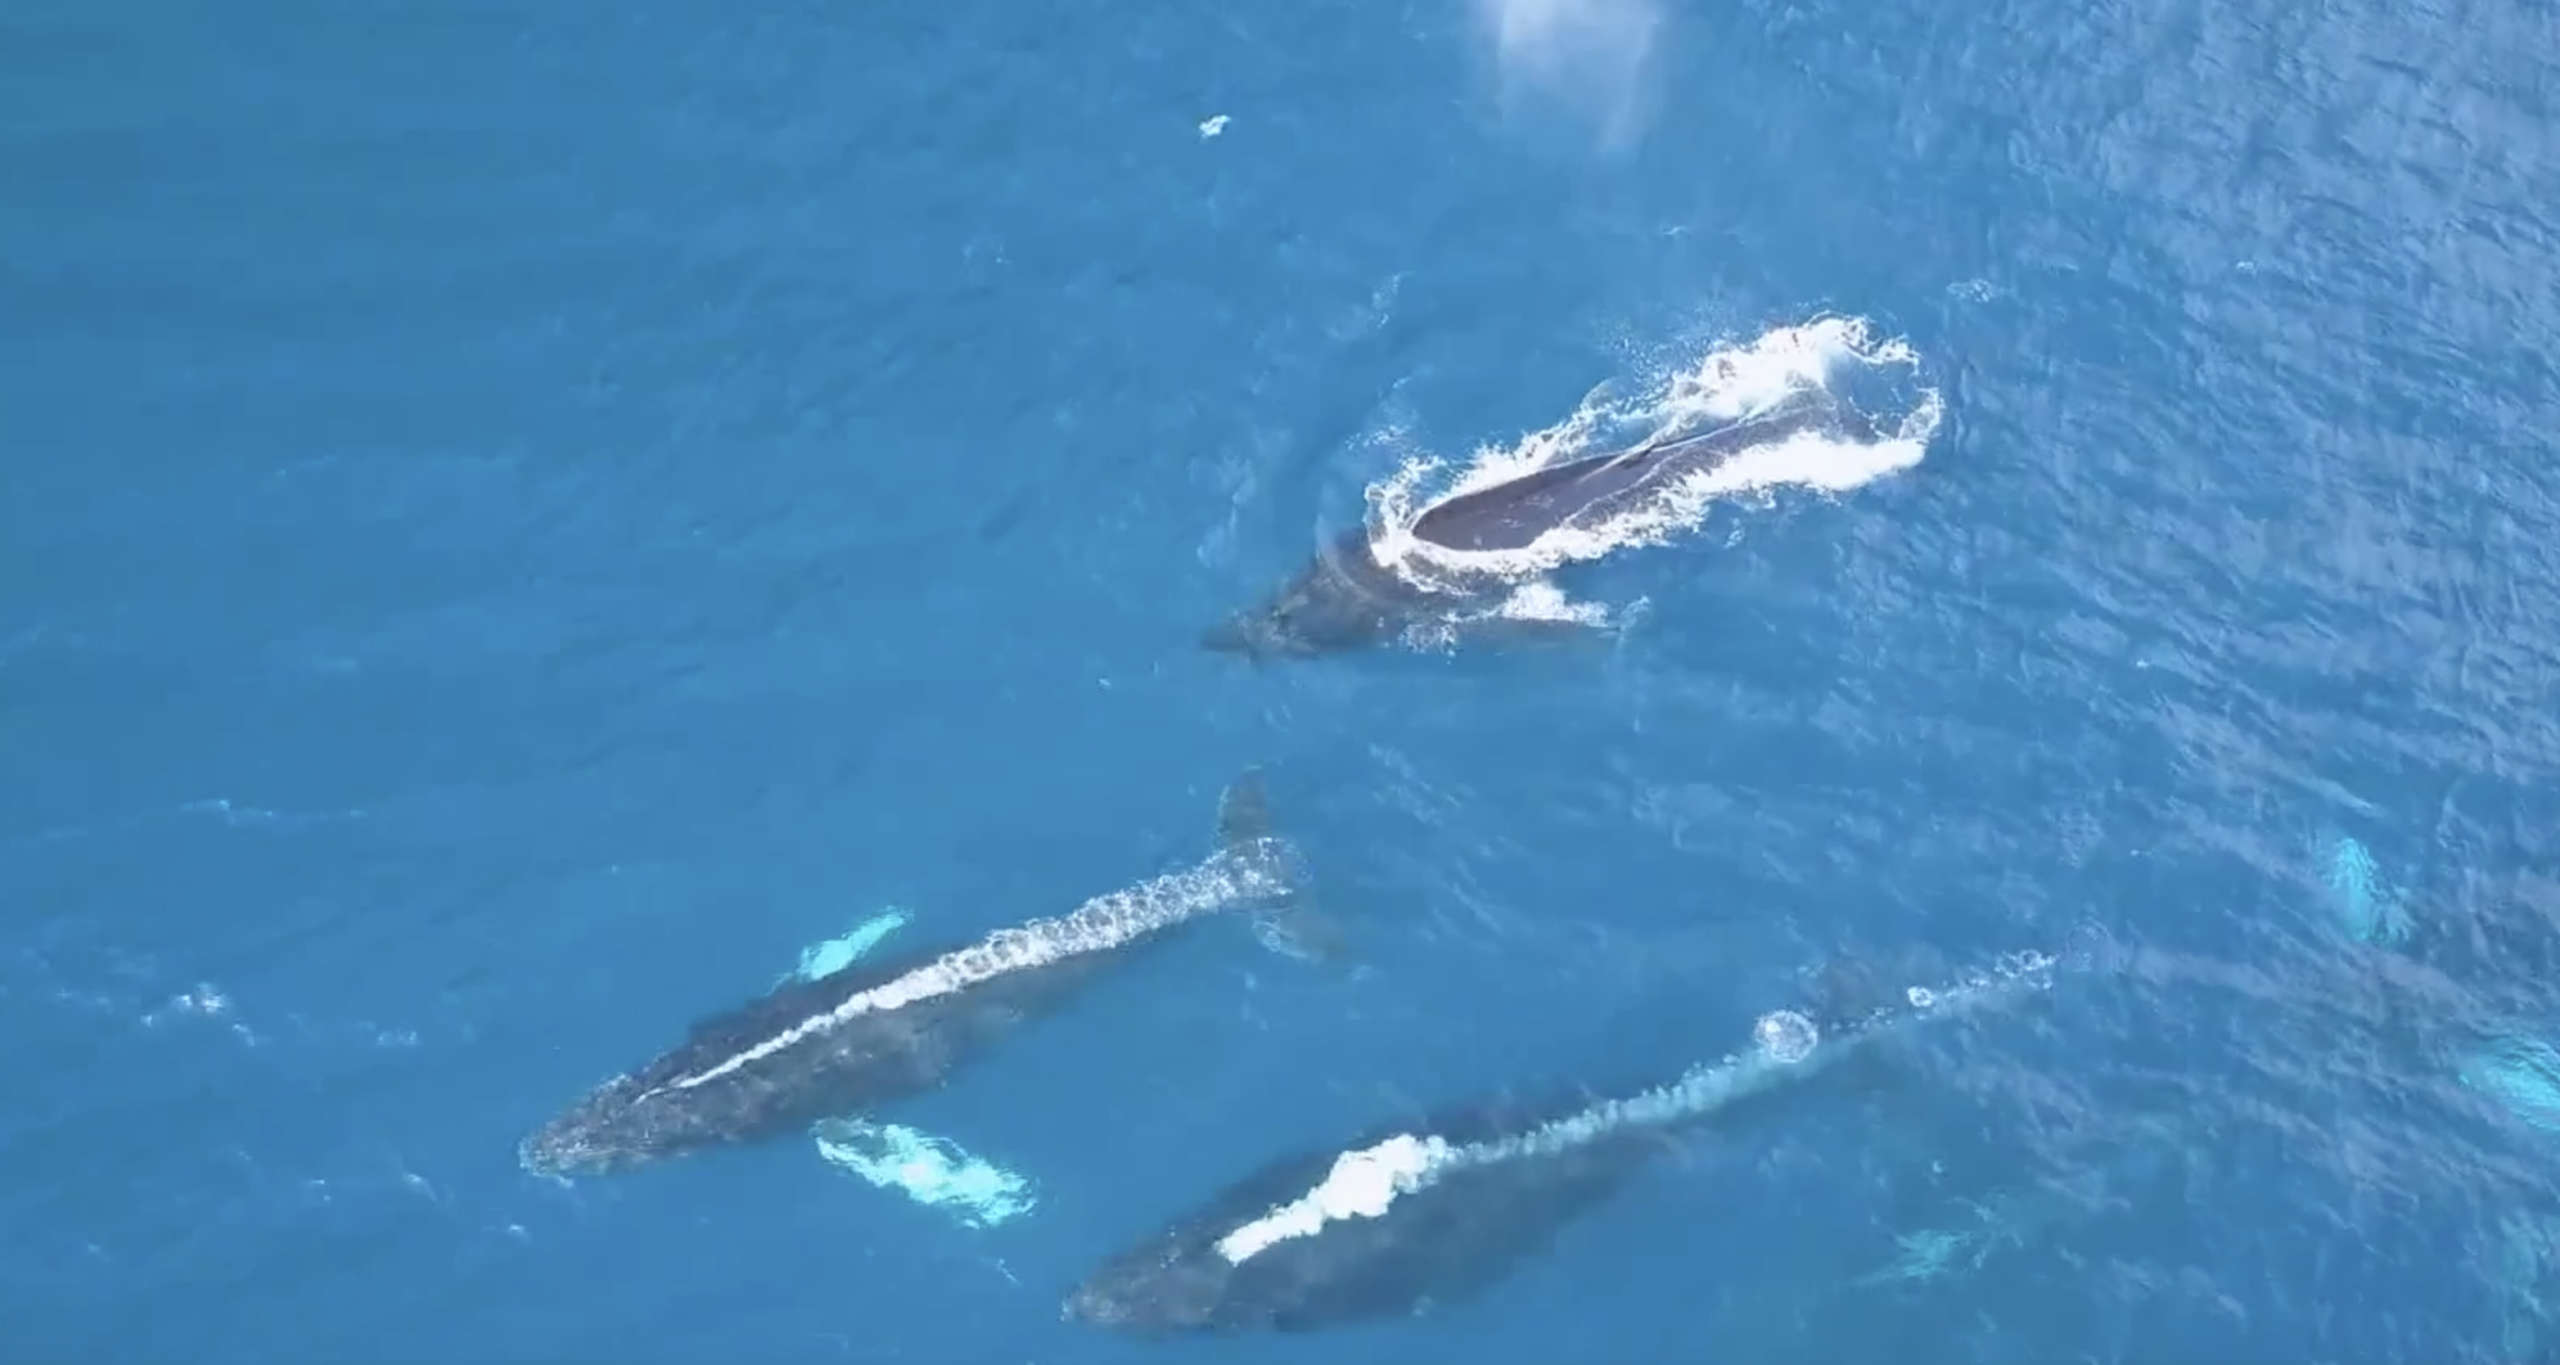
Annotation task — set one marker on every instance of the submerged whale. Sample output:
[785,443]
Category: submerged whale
[1434,1213]
[838,1044]
[1345,599]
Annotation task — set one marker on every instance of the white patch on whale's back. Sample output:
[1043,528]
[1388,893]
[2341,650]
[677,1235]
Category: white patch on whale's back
[1728,383]
[1365,1182]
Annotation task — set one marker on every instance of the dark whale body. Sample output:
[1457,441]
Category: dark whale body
[882,1031]
[1345,599]
[1449,1240]
[1445,1245]
[631,1121]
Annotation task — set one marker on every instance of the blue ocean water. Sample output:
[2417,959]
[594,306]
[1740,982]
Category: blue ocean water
[516,521]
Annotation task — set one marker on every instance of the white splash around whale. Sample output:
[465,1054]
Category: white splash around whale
[1839,355]
[1365,1182]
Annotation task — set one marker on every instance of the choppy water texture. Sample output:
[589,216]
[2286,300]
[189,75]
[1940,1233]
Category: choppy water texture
[514,520]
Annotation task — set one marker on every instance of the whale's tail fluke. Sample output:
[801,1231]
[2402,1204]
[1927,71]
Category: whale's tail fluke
[1288,923]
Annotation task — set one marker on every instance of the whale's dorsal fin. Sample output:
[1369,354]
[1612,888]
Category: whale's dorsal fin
[1845,990]
[1244,811]
[1288,924]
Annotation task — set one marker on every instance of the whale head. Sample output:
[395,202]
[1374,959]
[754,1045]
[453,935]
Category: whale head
[619,1125]
[1155,1291]
[1342,600]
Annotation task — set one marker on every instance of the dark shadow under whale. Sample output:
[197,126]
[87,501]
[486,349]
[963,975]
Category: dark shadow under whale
[1344,599]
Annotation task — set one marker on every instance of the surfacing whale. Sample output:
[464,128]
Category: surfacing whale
[1436,1212]
[836,1045]
[1344,599]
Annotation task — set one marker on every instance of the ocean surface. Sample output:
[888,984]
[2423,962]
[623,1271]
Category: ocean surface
[518,521]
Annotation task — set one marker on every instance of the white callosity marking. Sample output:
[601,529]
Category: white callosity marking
[1365,1182]
[1099,925]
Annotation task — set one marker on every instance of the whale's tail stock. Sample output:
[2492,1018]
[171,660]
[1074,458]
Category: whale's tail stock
[1286,922]
[1865,1016]
[1244,811]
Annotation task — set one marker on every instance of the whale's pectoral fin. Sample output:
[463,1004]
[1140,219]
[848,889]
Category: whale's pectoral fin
[1534,631]
[1540,614]
[927,1168]
[1293,927]
[821,960]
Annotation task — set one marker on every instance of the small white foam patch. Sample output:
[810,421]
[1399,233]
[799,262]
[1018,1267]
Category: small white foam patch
[1364,1183]
[1099,925]
[1725,385]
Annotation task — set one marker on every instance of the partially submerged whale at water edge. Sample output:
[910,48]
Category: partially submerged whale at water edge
[1346,599]
[837,1044]
[1437,1211]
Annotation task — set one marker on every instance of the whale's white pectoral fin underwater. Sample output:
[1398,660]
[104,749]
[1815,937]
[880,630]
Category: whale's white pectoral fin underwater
[937,1171]
[925,1167]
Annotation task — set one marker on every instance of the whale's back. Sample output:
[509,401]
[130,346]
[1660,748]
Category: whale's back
[1512,515]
